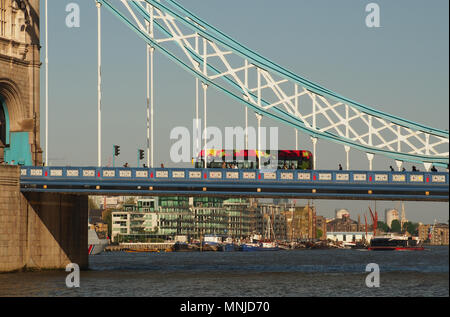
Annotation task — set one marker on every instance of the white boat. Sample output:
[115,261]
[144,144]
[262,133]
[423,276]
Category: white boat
[95,245]
[348,245]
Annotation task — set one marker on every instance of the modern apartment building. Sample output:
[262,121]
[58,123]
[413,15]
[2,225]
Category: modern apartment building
[167,217]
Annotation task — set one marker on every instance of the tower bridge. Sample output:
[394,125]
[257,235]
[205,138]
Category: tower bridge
[43,210]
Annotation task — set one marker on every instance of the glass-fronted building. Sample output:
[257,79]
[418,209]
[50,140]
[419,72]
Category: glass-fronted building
[167,217]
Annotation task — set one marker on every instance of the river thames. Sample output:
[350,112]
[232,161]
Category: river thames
[240,274]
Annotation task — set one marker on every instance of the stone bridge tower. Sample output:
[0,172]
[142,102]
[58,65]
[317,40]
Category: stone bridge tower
[19,82]
[41,230]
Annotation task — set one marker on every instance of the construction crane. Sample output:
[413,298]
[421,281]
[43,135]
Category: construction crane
[365,220]
[374,220]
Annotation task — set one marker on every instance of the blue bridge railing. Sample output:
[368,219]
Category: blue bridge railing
[251,176]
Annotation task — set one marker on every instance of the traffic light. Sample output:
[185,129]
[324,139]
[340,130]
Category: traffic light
[116,150]
[141,154]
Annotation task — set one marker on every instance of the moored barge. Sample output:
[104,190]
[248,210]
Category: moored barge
[395,243]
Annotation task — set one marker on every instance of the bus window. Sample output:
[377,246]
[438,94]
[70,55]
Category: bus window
[280,164]
[198,164]
[305,165]
[215,165]
[247,165]
[292,164]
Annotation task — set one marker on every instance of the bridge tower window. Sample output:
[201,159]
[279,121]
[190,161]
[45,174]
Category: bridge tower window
[3,18]
[3,140]
[13,24]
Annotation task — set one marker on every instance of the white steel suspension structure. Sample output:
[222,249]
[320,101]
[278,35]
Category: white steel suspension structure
[259,116]
[99,87]
[46,83]
[205,88]
[296,109]
[232,68]
[205,126]
[150,95]
[147,51]
[198,138]
[246,109]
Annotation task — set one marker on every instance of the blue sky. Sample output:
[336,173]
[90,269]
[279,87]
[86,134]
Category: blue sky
[400,68]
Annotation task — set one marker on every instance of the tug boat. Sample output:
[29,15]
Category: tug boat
[395,243]
[95,245]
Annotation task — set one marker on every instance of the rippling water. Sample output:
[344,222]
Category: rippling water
[282,273]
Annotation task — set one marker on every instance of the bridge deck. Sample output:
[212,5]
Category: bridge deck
[362,185]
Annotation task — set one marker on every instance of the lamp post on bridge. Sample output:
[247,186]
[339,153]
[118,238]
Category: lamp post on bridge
[259,118]
[205,127]
[347,150]
[314,142]
[370,157]
[296,110]
[399,165]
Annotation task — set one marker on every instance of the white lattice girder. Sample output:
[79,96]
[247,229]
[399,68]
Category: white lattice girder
[268,91]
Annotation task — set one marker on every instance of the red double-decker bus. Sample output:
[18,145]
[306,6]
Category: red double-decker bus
[248,159]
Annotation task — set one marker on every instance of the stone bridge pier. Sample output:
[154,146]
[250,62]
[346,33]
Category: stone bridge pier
[40,230]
